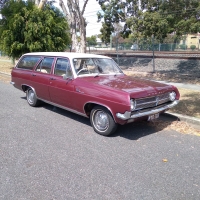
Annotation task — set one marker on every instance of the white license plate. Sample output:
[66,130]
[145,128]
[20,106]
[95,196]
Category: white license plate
[152,117]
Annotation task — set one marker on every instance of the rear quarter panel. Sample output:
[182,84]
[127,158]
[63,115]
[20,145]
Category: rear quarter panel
[20,76]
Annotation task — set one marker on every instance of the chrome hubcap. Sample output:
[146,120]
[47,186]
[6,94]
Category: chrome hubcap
[101,120]
[31,96]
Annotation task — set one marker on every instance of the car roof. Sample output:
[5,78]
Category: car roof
[66,54]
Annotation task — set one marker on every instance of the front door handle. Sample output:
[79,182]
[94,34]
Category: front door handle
[79,91]
[52,78]
[33,74]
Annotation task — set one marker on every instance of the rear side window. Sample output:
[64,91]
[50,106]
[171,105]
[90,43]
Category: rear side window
[28,62]
[45,65]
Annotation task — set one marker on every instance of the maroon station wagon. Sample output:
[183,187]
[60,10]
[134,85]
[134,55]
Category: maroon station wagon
[92,86]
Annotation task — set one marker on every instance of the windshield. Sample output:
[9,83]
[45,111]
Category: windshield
[94,66]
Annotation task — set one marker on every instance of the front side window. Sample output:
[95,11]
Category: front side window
[91,66]
[45,65]
[62,68]
[28,62]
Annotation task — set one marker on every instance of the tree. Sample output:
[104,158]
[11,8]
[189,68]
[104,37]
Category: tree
[74,15]
[25,28]
[92,40]
[151,17]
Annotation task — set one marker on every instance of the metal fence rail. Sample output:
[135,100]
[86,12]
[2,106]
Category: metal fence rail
[173,64]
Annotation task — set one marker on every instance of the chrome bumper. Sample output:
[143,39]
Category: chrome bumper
[127,115]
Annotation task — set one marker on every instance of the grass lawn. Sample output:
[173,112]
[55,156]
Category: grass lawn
[5,65]
[189,103]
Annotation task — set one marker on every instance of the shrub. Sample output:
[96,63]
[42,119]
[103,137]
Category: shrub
[192,47]
[183,46]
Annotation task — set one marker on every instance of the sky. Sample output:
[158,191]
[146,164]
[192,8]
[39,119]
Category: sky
[93,28]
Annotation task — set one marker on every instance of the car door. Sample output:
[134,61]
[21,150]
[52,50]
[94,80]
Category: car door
[41,76]
[61,87]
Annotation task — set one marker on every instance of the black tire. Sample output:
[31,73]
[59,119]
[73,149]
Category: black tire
[32,98]
[102,121]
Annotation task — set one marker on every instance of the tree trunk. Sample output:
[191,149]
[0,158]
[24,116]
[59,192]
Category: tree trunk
[37,2]
[76,21]
[77,24]
[41,3]
[83,36]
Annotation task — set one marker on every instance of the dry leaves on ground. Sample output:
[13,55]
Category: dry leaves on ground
[170,77]
[179,126]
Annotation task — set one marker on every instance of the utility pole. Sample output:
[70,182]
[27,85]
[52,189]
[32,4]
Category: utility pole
[111,41]
[153,53]
[117,51]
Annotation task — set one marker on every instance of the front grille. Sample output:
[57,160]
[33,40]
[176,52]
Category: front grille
[149,109]
[150,102]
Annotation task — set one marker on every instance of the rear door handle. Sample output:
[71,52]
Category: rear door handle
[52,78]
[33,74]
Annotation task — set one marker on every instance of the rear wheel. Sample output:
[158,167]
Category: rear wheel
[32,98]
[102,121]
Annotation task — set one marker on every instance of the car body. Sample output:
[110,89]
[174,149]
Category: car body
[92,86]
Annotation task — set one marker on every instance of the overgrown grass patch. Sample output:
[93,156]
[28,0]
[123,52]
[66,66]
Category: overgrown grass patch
[189,103]
[5,65]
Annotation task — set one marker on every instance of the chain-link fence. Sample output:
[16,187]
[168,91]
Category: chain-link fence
[167,59]
[145,47]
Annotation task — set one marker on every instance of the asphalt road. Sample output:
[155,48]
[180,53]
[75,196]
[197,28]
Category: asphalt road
[47,153]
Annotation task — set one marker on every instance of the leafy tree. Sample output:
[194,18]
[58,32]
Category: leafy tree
[106,31]
[25,28]
[92,40]
[151,17]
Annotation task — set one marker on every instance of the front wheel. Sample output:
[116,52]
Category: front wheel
[102,121]
[31,98]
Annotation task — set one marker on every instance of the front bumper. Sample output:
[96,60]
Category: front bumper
[127,115]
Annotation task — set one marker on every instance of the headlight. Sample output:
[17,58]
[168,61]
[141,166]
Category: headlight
[133,104]
[172,96]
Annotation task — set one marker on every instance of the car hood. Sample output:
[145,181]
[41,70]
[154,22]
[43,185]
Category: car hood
[136,87]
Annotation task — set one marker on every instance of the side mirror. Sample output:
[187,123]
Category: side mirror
[65,77]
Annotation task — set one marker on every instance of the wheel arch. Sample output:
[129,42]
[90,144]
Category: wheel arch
[90,105]
[26,87]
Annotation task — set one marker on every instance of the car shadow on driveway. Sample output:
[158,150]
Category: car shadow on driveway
[132,131]
[139,129]
[67,113]
[63,112]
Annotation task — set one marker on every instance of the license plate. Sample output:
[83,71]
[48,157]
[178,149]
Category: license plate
[153,117]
